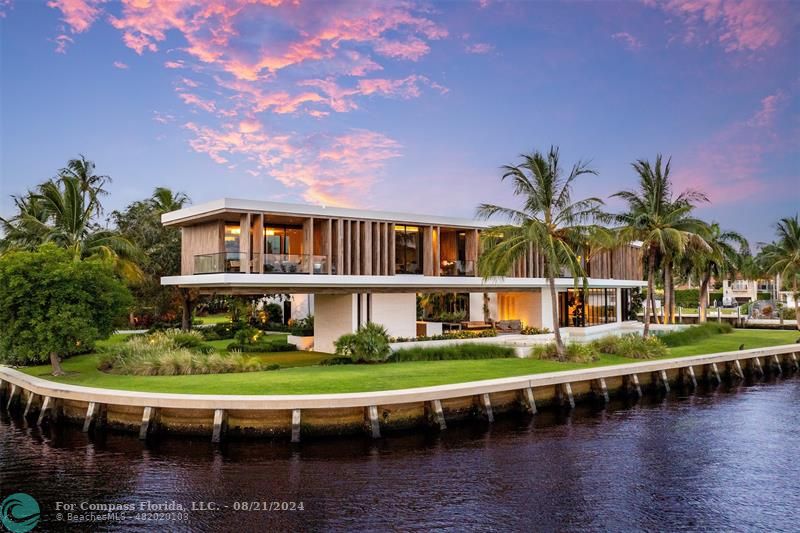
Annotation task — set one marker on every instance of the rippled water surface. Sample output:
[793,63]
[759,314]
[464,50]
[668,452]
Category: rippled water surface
[725,460]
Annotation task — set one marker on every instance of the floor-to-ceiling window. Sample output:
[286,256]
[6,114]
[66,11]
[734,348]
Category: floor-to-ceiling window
[408,250]
[283,249]
[591,307]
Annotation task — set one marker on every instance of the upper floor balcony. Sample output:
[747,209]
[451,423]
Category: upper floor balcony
[239,262]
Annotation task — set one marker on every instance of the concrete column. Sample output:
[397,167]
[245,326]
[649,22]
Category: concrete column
[49,410]
[566,390]
[295,425]
[148,422]
[527,400]
[29,404]
[546,311]
[619,304]
[92,415]
[374,422]
[335,315]
[690,371]
[739,370]
[308,244]
[636,385]
[664,380]
[12,397]
[438,414]
[220,418]
[601,383]
[244,242]
[716,373]
[396,312]
[486,405]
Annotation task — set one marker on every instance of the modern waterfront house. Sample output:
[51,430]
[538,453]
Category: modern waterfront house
[355,266]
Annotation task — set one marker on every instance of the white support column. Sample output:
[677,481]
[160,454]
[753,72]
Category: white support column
[296,425]
[716,373]
[147,422]
[91,416]
[619,305]
[438,413]
[374,422]
[486,403]
[739,370]
[29,404]
[690,371]
[603,389]
[48,410]
[12,397]
[635,381]
[794,360]
[219,425]
[547,311]
[757,363]
[528,400]
[777,363]
[665,380]
[567,389]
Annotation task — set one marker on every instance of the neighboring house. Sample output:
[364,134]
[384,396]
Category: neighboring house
[742,291]
[365,266]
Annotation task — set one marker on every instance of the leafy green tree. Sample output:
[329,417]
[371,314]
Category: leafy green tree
[661,221]
[52,306]
[140,224]
[783,257]
[548,221]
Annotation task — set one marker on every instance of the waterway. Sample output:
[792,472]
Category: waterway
[721,459]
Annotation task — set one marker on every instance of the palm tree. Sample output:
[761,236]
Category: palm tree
[90,183]
[23,231]
[727,251]
[783,257]
[62,213]
[549,221]
[660,221]
[165,200]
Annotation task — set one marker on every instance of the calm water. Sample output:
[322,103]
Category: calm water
[723,460]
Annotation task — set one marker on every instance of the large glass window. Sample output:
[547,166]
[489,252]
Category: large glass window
[408,250]
[283,240]
[587,308]
[232,232]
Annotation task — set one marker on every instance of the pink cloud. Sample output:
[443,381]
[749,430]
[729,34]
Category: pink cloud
[79,15]
[411,49]
[342,99]
[163,118]
[120,65]
[192,99]
[630,42]
[174,64]
[730,165]
[737,25]
[479,48]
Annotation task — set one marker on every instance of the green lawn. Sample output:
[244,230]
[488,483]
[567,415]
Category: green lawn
[361,378]
[214,319]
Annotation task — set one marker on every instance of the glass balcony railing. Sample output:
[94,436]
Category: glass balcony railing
[295,264]
[457,268]
[218,263]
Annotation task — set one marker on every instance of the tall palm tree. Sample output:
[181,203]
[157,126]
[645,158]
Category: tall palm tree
[727,251]
[783,257]
[549,221]
[82,170]
[24,229]
[661,221]
[62,213]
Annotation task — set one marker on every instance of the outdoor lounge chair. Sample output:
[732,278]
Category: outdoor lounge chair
[508,326]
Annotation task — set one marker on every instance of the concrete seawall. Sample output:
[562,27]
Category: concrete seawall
[293,416]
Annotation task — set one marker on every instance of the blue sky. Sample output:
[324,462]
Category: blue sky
[403,106]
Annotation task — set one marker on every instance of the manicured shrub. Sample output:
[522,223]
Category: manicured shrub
[531,330]
[273,313]
[370,343]
[185,339]
[687,297]
[160,354]
[459,334]
[452,353]
[224,330]
[575,352]
[696,333]
[633,346]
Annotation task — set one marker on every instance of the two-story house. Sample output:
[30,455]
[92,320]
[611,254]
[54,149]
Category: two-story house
[362,266]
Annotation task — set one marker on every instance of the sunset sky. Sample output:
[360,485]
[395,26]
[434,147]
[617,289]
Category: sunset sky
[404,106]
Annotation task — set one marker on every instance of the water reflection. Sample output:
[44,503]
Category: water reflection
[720,459]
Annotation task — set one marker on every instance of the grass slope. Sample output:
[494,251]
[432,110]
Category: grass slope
[361,378]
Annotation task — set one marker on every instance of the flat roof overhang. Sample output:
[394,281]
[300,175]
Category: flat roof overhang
[235,283]
[217,209]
